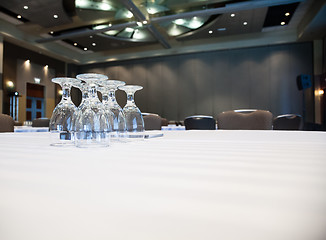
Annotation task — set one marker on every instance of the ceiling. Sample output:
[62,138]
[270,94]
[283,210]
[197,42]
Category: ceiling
[91,31]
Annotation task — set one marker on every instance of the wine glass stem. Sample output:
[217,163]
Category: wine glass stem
[85,94]
[130,98]
[105,98]
[112,95]
[66,93]
[92,91]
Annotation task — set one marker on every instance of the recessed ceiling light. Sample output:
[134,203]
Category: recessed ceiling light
[287,14]
[144,22]
[245,23]
[51,32]
[94,44]
[105,6]
[98,27]
[18,16]
[282,23]
[75,44]
[90,36]
[232,15]
[128,29]
[179,21]
[85,49]
[210,31]
[55,16]
[25,7]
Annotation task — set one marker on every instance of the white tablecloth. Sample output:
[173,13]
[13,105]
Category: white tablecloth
[228,185]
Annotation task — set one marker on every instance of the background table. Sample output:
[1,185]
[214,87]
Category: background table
[226,185]
[30,129]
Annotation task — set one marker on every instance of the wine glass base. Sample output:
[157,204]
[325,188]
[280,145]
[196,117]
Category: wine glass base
[62,139]
[94,142]
[62,144]
[135,136]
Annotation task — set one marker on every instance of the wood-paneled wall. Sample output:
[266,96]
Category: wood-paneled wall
[211,82]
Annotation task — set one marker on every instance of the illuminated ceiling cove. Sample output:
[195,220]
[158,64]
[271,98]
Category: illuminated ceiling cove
[89,31]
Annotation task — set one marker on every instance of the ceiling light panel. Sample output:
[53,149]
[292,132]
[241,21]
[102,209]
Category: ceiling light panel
[111,32]
[154,8]
[123,14]
[176,30]
[183,25]
[95,5]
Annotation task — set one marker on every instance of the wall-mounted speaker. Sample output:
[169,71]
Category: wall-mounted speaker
[304,81]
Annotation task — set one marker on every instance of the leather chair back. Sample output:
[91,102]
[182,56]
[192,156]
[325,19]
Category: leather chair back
[200,122]
[288,122]
[256,120]
[7,123]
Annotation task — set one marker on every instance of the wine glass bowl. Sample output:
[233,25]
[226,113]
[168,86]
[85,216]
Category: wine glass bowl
[93,123]
[108,90]
[61,121]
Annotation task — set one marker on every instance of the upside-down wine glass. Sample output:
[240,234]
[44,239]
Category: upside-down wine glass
[108,99]
[83,87]
[93,124]
[62,117]
[134,119]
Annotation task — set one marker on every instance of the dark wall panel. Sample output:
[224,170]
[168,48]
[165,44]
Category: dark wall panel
[260,93]
[240,78]
[222,84]
[187,90]
[208,83]
[279,75]
[204,84]
[170,88]
[154,82]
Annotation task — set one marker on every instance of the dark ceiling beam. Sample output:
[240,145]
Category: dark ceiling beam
[141,18]
[138,15]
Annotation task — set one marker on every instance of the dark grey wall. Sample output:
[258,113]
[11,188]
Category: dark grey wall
[211,82]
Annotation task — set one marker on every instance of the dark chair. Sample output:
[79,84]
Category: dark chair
[200,122]
[165,122]
[152,121]
[256,120]
[7,123]
[41,122]
[17,123]
[288,122]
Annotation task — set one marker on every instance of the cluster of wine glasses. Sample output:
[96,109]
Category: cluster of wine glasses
[95,123]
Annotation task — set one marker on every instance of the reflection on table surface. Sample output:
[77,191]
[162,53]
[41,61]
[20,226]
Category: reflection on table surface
[220,184]
[173,128]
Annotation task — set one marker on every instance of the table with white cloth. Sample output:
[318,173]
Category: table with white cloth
[30,129]
[191,185]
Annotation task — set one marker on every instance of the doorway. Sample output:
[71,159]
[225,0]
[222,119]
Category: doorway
[34,101]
